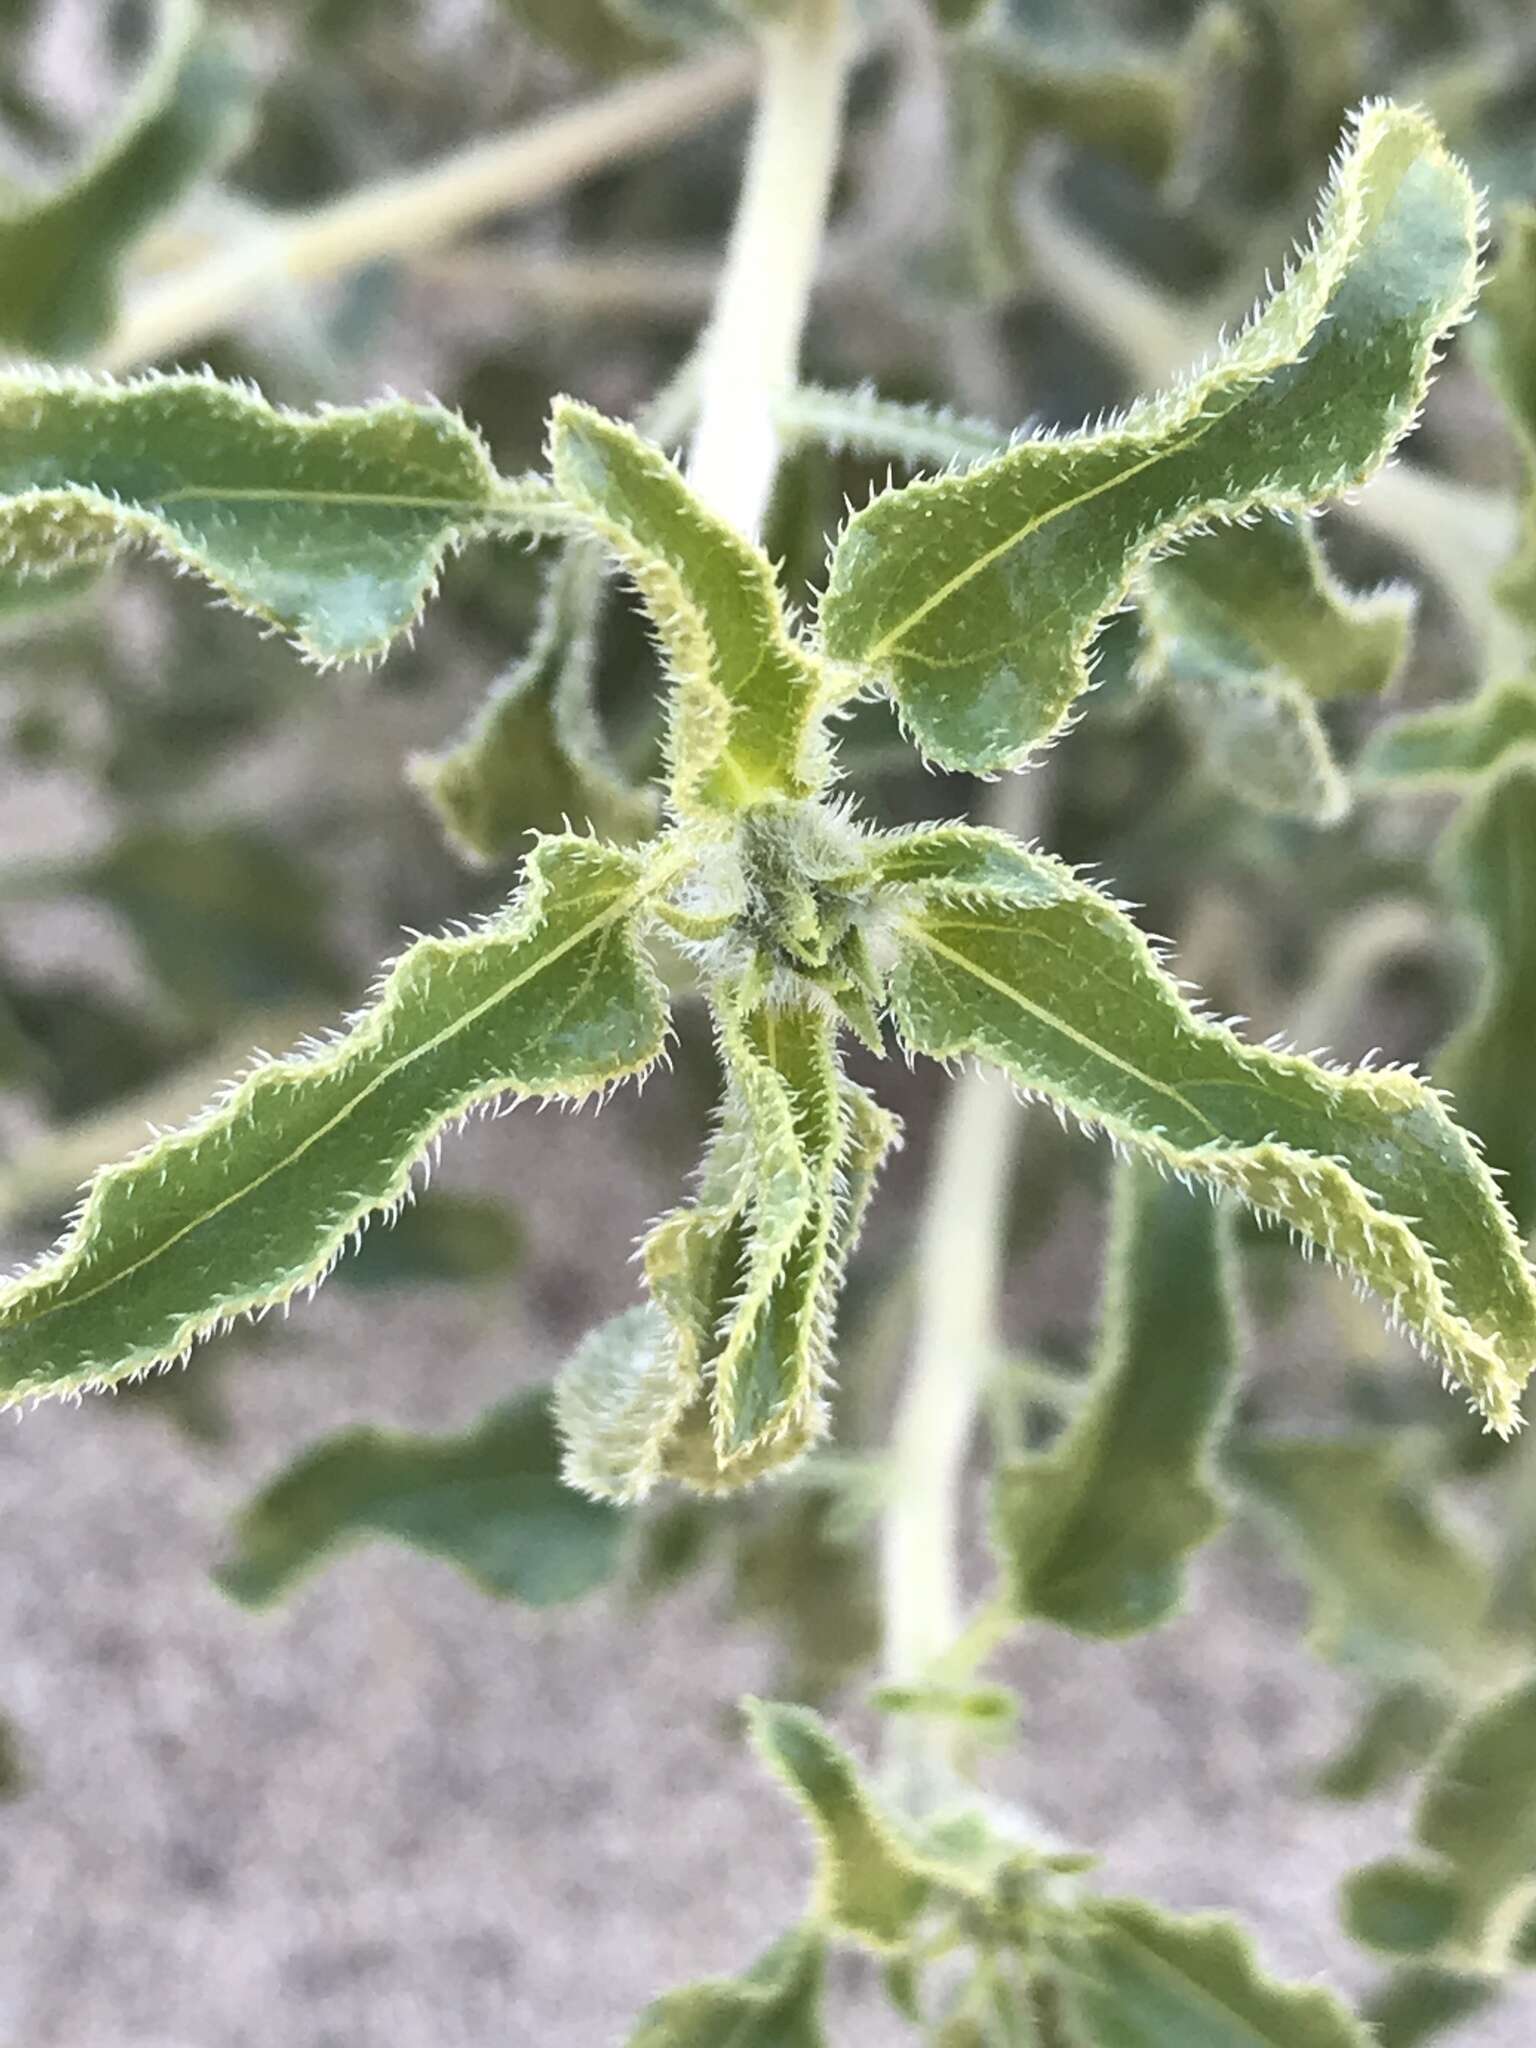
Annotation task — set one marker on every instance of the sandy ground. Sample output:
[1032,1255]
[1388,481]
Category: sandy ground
[395,1813]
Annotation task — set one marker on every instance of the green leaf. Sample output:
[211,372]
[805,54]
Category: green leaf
[723,1375]
[1506,336]
[439,1237]
[747,698]
[1248,629]
[1477,1819]
[1094,1533]
[1401,1908]
[60,252]
[777,2004]
[871,1882]
[1134,1977]
[13,1778]
[1009,956]
[1452,748]
[1489,861]
[490,1501]
[331,526]
[255,1200]
[1394,1589]
[534,758]
[1417,2004]
[972,599]
[1398,1731]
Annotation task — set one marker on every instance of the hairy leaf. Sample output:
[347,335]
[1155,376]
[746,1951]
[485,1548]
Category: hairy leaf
[1394,1589]
[490,1501]
[776,2004]
[330,526]
[1453,747]
[60,251]
[1248,628]
[1094,1533]
[746,696]
[723,1375]
[1507,335]
[1135,1977]
[972,599]
[1477,1820]
[534,757]
[871,1882]
[1489,859]
[256,1199]
[1009,956]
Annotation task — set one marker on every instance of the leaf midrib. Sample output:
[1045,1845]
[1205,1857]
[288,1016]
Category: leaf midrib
[624,907]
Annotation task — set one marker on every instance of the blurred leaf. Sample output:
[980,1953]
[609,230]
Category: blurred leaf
[535,758]
[438,1237]
[298,519]
[1135,1977]
[1095,1533]
[871,1881]
[60,253]
[1248,628]
[1417,2004]
[973,598]
[1399,1729]
[13,1778]
[795,1568]
[1489,860]
[1402,1908]
[1393,1589]
[1506,333]
[777,2004]
[490,1501]
[1451,748]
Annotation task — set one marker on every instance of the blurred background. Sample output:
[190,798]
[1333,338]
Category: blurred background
[387,1807]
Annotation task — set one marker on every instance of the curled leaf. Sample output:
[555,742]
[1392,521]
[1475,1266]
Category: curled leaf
[1452,748]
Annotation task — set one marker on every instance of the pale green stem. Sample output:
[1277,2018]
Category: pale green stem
[959,1277]
[751,351]
[426,208]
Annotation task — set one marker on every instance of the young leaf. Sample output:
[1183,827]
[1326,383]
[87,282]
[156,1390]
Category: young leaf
[534,757]
[723,1375]
[60,251]
[1009,956]
[747,697]
[871,1883]
[256,1199]
[331,526]
[1394,1589]
[1477,1820]
[776,2004]
[490,1501]
[1507,336]
[972,599]
[1452,748]
[1095,1532]
[1134,1977]
[1248,628]
[1489,859]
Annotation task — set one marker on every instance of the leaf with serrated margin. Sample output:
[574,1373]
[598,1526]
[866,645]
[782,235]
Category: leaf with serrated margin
[534,757]
[1476,1819]
[722,1376]
[747,697]
[1248,629]
[60,251]
[871,1881]
[1134,1977]
[1451,748]
[1506,338]
[490,1501]
[331,526]
[1094,1533]
[1036,972]
[1394,1589]
[972,599]
[1489,861]
[255,1200]
[775,2004]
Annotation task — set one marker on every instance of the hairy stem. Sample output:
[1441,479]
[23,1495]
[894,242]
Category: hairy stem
[959,1277]
[751,350]
[422,209]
